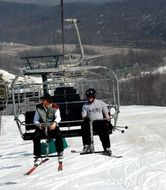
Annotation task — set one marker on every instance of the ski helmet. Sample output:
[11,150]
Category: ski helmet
[90,92]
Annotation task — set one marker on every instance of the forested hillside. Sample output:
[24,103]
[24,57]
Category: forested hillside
[136,23]
[133,32]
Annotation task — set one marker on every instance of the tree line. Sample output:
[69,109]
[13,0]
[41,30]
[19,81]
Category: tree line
[138,71]
[144,90]
[142,78]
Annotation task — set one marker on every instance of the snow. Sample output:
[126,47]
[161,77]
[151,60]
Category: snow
[162,69]
[142,167]
[8,78]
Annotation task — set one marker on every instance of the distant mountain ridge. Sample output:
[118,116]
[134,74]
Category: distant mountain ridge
[131,22]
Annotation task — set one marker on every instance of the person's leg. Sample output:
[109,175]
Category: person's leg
[86,137]
[58,139]
[102,129]
[85,130]
[38,134]
[36,143]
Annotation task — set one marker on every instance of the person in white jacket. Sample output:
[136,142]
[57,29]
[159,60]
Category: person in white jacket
[47,115]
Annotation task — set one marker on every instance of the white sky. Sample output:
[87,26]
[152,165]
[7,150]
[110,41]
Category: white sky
[143,166]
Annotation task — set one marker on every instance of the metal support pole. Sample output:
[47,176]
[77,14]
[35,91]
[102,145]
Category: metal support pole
[92,138]
[47,141]
[44,79]
[62,28]
[74,21]
[0,122]
[79,38]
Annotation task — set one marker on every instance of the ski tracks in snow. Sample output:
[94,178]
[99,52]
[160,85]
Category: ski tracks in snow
[142,167]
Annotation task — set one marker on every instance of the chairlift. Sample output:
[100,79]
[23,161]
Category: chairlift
[67,93]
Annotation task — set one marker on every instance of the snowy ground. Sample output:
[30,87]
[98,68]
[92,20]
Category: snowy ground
[143,166]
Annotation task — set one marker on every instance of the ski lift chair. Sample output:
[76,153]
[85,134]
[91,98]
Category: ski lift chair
[70,103]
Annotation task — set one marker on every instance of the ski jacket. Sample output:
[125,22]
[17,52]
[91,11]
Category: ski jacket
[47,115]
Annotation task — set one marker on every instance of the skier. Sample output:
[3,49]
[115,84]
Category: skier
[47,117]
[94,110]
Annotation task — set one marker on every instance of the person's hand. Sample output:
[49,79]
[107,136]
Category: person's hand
[108,119]
[41,127]
[53,126]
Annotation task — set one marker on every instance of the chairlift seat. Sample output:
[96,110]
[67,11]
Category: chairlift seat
[69,132]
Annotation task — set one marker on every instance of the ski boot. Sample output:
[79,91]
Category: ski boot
[86,149]
[60,161]
[107,151]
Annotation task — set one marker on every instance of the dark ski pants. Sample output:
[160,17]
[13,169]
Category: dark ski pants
[101,127]
[52,134]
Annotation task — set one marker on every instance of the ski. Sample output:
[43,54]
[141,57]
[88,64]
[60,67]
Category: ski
[36,166]
[96,152]
[110,155]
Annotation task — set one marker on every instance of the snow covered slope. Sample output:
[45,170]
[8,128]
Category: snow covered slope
[143,166]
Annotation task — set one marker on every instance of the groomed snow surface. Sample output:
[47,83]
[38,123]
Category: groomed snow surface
[142,167]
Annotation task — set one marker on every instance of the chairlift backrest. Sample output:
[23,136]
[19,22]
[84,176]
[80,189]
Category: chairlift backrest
[70,106]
